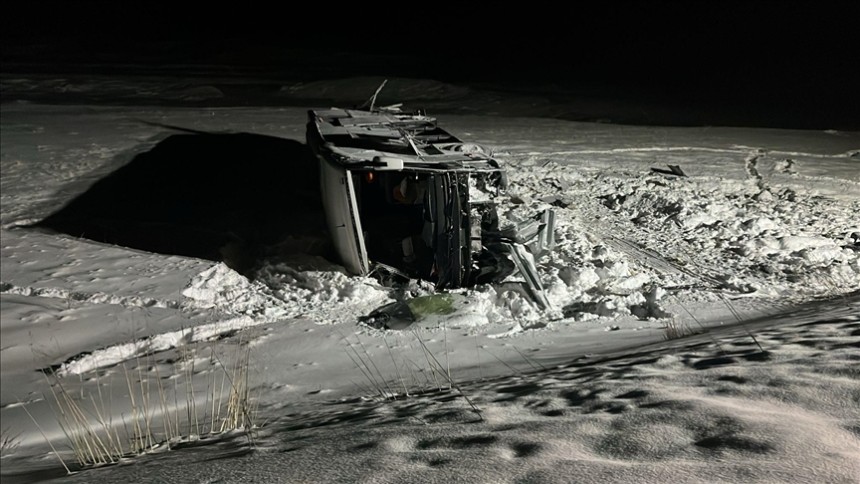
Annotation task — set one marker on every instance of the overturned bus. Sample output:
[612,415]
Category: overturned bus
[403,196]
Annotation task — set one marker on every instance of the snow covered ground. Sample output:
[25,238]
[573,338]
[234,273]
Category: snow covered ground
[763,229]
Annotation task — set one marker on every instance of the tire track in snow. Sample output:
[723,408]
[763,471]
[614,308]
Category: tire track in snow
[88,297]
[229,301]
[116,354]
[219,290]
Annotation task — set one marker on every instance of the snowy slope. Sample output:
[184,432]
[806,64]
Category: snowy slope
[765,221]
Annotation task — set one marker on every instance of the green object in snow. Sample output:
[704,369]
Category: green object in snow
[435,304]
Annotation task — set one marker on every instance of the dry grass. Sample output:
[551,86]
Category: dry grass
[155,413]
[410,377]
[9,442]
[676,328]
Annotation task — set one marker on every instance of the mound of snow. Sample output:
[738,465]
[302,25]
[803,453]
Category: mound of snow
[325,296]
[224,289]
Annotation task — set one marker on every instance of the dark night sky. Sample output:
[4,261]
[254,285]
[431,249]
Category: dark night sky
[796,58]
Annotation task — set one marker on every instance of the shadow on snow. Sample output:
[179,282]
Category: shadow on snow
[228,197]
